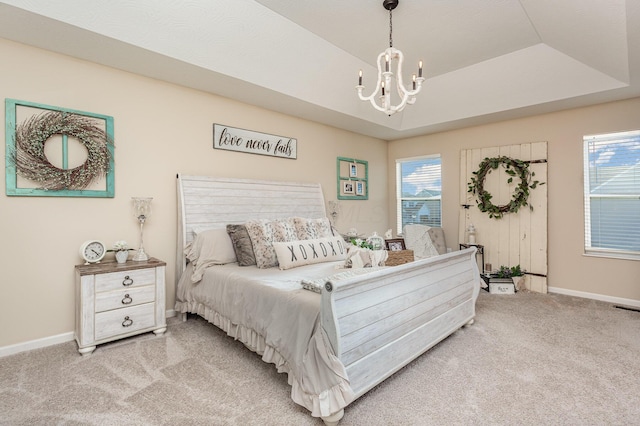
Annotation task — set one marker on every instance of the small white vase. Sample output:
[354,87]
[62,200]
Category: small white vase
[121,256]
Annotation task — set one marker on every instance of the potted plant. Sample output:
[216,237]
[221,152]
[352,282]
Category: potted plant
[514,272]
[121,249]
[359,242]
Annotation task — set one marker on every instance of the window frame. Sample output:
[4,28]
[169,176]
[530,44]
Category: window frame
[589,250]
[400,199]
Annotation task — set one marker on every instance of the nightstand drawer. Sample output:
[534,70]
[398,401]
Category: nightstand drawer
[108,300]
[123,321]
[125,279]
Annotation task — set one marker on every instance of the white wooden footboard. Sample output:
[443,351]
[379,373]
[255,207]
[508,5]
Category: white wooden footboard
[379,322]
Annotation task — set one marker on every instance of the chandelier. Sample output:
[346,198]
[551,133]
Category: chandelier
[381,97]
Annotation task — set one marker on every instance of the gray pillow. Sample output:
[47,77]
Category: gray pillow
[241,244]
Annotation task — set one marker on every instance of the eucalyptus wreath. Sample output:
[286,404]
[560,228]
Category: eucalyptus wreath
[514,168]
[31,162]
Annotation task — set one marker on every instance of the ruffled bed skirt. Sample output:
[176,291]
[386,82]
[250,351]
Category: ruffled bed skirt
[321,404]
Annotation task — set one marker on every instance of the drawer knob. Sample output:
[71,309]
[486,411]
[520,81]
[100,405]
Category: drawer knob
[127,322]
[126,299]
[127,281]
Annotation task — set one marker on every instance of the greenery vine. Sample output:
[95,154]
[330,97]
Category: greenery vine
[31,162]
[514,168]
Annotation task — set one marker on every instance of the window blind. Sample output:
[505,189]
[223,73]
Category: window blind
[612,194]
[418,191]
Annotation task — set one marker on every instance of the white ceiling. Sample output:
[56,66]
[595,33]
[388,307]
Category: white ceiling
[484,60]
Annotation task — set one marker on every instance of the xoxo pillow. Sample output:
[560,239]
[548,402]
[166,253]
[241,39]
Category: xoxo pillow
[305,252]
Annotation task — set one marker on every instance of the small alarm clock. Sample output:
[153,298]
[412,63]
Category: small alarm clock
[92,251]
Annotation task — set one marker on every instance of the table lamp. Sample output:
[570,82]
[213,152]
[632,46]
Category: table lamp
[141,210]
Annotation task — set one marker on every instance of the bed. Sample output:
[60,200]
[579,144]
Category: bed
[335,344]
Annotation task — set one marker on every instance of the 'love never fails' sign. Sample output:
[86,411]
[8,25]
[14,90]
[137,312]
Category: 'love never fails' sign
[241,140]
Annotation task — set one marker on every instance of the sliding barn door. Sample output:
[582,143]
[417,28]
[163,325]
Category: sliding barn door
[517,238]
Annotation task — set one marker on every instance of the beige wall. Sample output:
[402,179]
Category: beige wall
[160,129]
[569,269]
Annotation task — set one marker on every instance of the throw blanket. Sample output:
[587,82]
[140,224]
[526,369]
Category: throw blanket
[316,285]
[359,257]
[268,311]
[416,238]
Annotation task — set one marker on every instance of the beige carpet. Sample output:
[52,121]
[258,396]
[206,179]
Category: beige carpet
[529,359]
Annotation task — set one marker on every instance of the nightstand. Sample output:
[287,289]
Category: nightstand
[117,300]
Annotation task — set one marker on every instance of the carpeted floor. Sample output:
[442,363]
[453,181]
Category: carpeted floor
[529,359]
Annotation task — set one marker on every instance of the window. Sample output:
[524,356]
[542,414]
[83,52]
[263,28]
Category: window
[418,189]
[612,194]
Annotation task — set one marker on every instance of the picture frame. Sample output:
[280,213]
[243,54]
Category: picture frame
[353,170]
[67,151]
[347,187]
[395,244]
[352,179]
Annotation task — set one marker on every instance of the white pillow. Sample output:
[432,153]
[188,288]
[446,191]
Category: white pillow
[209,247]
[292,254]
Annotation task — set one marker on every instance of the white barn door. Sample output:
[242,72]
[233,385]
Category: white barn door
[517,238]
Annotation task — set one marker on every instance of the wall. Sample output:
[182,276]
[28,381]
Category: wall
[569,270]
[160,130]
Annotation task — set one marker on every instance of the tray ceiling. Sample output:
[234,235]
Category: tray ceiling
[484,61]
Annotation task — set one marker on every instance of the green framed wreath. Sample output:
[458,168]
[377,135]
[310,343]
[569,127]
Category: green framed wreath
[515,169]
[30,161]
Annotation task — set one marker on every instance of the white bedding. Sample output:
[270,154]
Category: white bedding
[259,307]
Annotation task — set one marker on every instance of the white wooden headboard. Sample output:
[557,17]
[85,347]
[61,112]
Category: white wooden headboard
[212,202]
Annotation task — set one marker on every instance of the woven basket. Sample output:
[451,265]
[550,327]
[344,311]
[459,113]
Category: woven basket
[399,257]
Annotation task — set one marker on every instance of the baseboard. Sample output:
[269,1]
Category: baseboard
[48,341]
[601,297]
[36,344]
